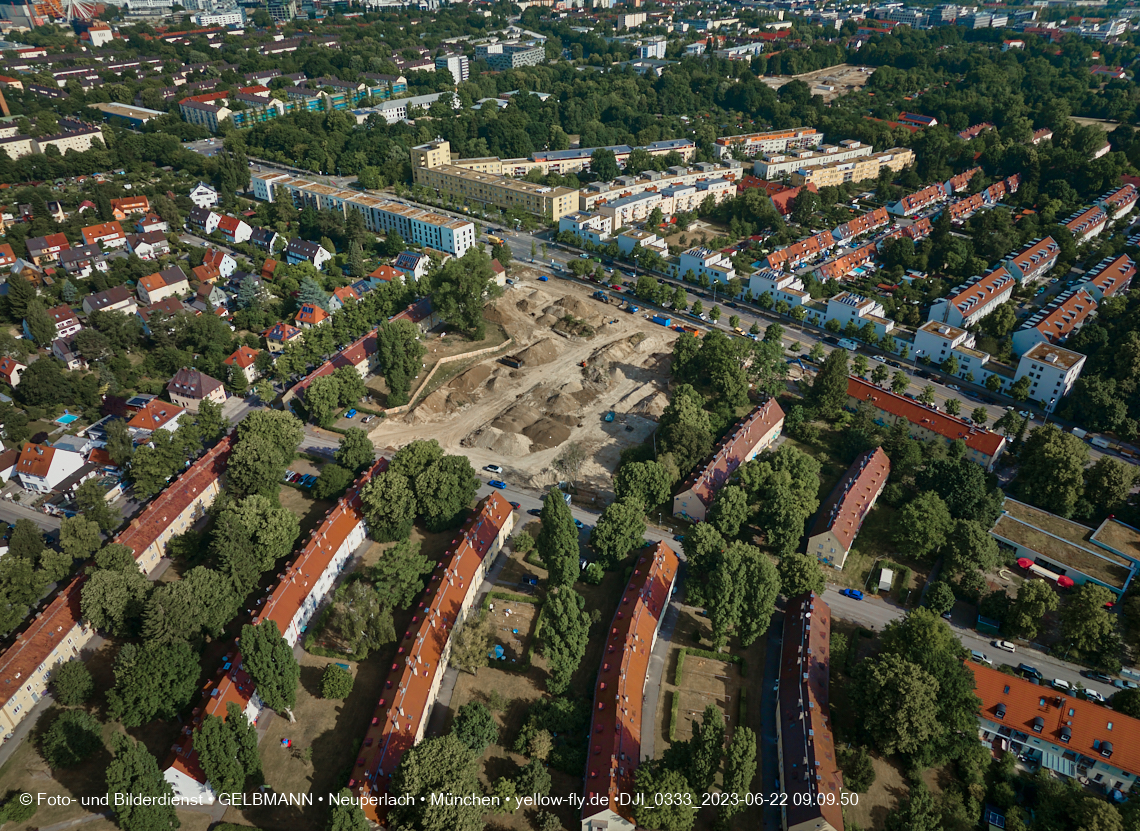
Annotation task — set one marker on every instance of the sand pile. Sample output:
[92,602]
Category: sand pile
[652,406]
[542,352]
[578,308]
[534,301]
[517,418]
[472,379]
[503,444]
[546,433]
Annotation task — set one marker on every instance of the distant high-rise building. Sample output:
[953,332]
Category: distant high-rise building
[457,65]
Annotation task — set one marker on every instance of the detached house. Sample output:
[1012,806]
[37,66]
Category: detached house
[233,229]
[156,415]
[151,222]
[41,467]
[280,335]
[303,251]
[264,238]
[148,246]
[204,196]
[117,299]
[65,320]
[223,262]
[107,234]
[84,260]
[160,285]
[311,315]
[206,273]
[243,361]
[10,371]
[47,249]
[128,205]
[189,388]
[204,220]
[345,294]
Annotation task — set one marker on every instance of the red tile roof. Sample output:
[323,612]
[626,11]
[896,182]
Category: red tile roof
[7,255]
[155,414]
[920,199]
[345,293]
[731,450]
[982,291]
[410,684]
[1112,275]
[352,355]
[1031,259]
[619,716]
[976,438]
[810,774]
[1088,725]
[1086,221]
[242,358]
[33,645]
[206,273]
[862,224]
[229,224]
[35,460]
[1121,197]
[847,506]
[131,204]
[840,267]
[802,250]
[293,587]
[214,258]
[93,233]
[387,273]
[178,495]
[1067,316]
[957,183]
[281,332]
[9,367]
[920,229]
[311,314]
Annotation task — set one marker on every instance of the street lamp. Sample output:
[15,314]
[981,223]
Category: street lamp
[1049,409]
[917,352]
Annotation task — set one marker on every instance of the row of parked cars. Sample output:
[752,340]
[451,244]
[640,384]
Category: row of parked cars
[304,480]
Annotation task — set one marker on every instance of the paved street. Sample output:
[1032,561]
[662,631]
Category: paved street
[11,512]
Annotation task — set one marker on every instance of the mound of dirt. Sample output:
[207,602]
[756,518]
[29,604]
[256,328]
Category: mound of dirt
[435,404]
[534,301]
[542,352]
[546,433]
[517,418]
[547,320]
[577,307]
[502,444]
[652,406]
[472,379]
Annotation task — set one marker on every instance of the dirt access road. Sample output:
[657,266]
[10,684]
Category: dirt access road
[523,418]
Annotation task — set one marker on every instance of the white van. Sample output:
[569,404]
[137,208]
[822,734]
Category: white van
[1062,686]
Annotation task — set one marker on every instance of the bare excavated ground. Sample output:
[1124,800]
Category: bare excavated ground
[523,418]
[842,78]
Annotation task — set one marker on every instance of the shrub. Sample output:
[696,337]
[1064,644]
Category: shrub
[594,574]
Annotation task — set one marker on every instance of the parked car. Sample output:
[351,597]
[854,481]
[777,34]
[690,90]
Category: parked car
[494,469]
[514,505]
[497,483]
[880,359]
[578,523]
[1005,646]
[1029,671]
[895,364]
[954,387]
[535,512]
[679,537]
[981,657]
[1093,695]
[854,594]
[1093,675]
[351,413]
[367,419]
[1062,685]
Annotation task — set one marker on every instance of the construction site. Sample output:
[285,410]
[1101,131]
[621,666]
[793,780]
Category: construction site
[831,82]
[580,370]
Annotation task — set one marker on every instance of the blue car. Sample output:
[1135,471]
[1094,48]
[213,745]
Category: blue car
[351,413]
[495,483]
[543,279]
[854,594]
[578,523]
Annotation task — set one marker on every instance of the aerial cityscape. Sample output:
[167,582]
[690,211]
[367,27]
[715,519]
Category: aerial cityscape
[569,414]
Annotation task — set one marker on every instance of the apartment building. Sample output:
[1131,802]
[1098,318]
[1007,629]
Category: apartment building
[1053,370]
[979,297]
[629,241]
[619,715]
[839,519]
[184,501]
[808,770]
[772,141]
[1120,202]
[712,264]
[915,202]
[1086,224]
[552,203]
[401,713]
[834,173]
[1034,261]
[847,309]
[939,342]
[753,434]
[781,287]
[1111,276]
[55,635]
[458,65]
[594,195]
[595,228]
[630,20]
[772,166]
[1075,739]
[431,230]
[514,55]
[299,590]
[579,158]
[926,423]
[1053,324]
[190,387]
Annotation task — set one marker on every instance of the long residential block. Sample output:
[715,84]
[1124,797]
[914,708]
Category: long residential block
[619,695]
[832,173]
[841,516]
[772,141]
[443,233]
[979,297]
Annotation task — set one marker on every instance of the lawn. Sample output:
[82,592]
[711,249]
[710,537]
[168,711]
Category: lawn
[310,511]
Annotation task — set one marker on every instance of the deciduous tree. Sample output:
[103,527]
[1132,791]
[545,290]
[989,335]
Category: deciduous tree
[71,683]
[898,703]
[620,528]
[72,737]
[1051,470]
[134,773]
[390,505]
[1034,598]
[565,633]
[800,573]
[442,764]
[152,681]
[921,527]
[269,660]
[475,726]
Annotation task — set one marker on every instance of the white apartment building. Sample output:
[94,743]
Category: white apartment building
[204,196]
[723,175]
[777,165]
[847,307]
[713,264]
[652,49]
[787,288]
[941,341]
[230,17]
[1053,370]
[457,65]
[595,228]
[452,236]
[631,20]
[629,241]
[976,299]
